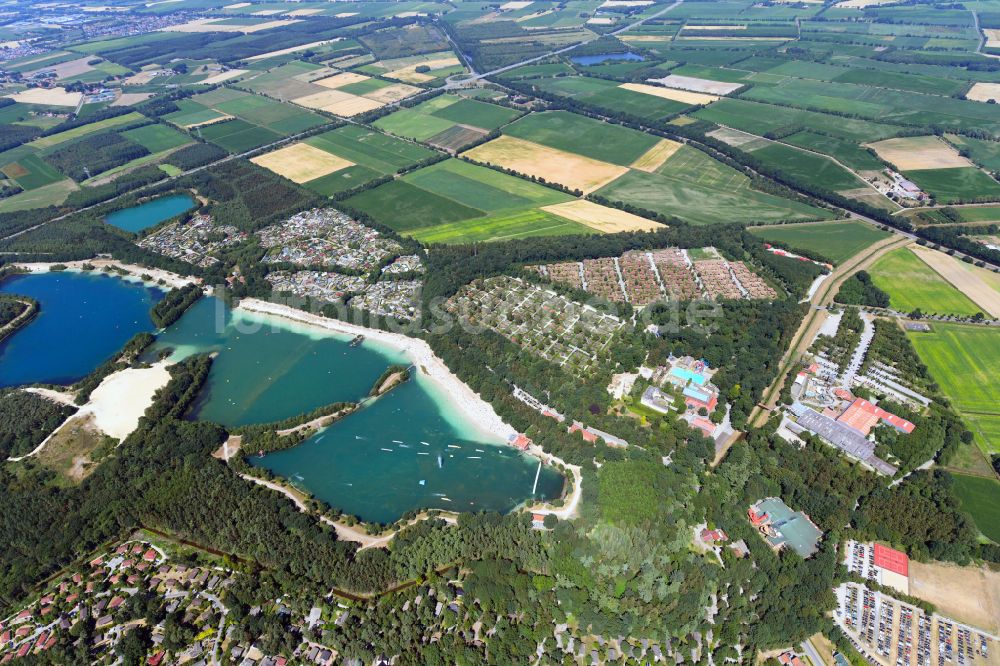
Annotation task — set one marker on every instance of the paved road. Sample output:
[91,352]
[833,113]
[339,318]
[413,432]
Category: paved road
[812,321]
[811,652]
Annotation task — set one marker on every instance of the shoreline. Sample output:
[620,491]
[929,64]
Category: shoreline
[171,280]
[477,411]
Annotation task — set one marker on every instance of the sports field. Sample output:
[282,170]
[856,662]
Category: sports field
[981,498]
[837,241]
[965,362]
[912,284]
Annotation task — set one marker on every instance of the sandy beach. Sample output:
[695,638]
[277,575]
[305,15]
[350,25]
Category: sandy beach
[123,397]
[477,410]
[170,279]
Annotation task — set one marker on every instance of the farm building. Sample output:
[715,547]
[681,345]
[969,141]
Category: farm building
[780,526]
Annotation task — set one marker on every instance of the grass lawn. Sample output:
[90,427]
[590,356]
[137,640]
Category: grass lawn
[584,136]
[912,284]
[981,498]
[954,185]
[965,362]
[837,241]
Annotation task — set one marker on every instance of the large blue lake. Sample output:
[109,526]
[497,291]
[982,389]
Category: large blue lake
[85,318]
[150,213]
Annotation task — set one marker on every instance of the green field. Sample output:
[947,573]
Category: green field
[759,119]
[370,149]
[53,140]
[584,136]
[981,499]
[237,135]
[847,152]
[696,188]
[956,185]
[837,241]
[157,138]
[607,95]
[965,362]
[454,201]
[443,113]
[808,166]
[912,284]
[984,153]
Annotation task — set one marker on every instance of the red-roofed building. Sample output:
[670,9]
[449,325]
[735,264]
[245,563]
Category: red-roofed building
[5,637]
[843,394]
[42,637]
[149,555]
[156,658]
[862,415]
[23,615]
[116,602]
[23,651]
[706,426]
[713,536]
[519,441]
[892,560]
[790,659]
[23,631]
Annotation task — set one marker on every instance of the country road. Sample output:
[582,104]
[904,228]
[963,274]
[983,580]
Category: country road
[813,321]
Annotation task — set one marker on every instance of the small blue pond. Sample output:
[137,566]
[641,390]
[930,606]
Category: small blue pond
[150,213]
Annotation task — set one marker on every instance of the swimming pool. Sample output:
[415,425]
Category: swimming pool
[688,375]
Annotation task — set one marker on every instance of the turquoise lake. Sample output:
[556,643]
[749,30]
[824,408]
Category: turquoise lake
[267,369]
[409,450]
[84,319]
[150,213]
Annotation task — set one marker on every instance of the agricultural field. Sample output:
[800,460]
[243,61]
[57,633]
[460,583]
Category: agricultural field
[981,499]
[342,159]
[454,201]
[630,166]
[433,67]
[448,121]
[965,362]
[238,121]
[837,241]
[912,284]
[961,185]
[639,100]
[808,166]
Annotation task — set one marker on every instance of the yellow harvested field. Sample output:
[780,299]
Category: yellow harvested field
[51,96]
[223,76]
[267,12]
[574,171]
[321,100]
[224,116]
[70,68]
[291,49]
[528,17]
[515,4]
[984,92]
[968,594]
[209,25]
[341,79]
[654,158]
[601,218]
[919,152]
[392,93]
[411,75]
[975,285]
[237,5]
[301,162]
[992,36]
[353,106]
[670,93]
[305,12]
